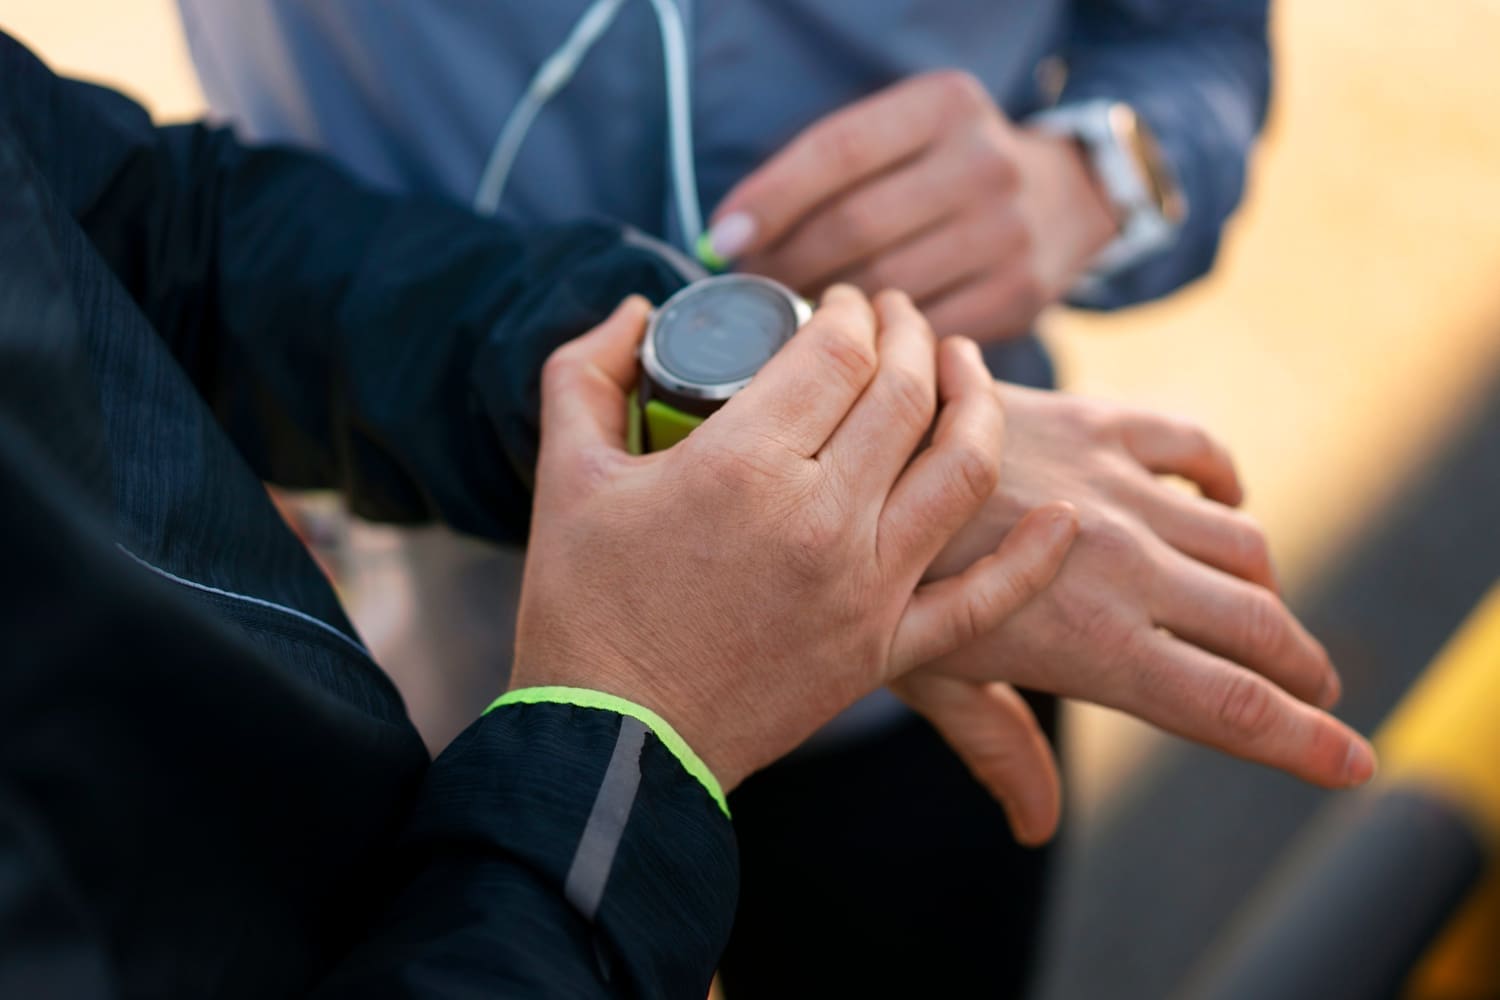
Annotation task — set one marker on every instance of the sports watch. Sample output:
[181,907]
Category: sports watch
[1128,162]
[702,346]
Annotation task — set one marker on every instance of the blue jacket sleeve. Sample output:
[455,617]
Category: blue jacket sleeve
[1199,73]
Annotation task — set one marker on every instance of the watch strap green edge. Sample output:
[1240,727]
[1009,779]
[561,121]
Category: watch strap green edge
[666,426]
[661,728]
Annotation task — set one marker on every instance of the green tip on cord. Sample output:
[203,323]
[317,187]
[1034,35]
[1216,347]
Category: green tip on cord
[707,257]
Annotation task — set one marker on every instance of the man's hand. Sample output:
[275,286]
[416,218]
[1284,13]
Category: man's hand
[1166,608]
[925,187]
[754,580]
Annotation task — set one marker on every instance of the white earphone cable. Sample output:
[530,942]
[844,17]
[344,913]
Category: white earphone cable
[680,120]
[559,69]
[549,78]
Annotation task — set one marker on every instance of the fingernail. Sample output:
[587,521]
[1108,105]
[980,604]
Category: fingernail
[727,239]
[1359,764]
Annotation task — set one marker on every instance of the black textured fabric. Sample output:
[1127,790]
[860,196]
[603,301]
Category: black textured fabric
[210,795]
[882,869]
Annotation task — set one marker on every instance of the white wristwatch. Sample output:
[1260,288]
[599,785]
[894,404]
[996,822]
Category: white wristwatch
[1139,182]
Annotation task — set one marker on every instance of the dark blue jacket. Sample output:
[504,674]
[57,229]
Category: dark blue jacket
[207,788]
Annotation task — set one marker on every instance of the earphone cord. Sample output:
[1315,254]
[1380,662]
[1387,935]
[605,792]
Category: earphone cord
[560,67]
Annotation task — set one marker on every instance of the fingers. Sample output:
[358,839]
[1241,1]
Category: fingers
[1208,531]
[1176,447]
[945,256]
[953,612]
[804,392]
[949,481]
[1206,699]
[888,423]
[1246,624]
[867,220]
[834,154]
[992,306]
[994,732]
[585,383]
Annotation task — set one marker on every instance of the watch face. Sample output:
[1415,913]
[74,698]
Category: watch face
[719,332]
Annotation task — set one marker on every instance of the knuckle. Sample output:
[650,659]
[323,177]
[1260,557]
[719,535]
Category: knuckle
[1196,440]
[895,298]
[1245,705]
[558,370]
[1248,545]
[734,470]
[1262,624]
[1098,424]
[912,401]
[971,624]
[984,609]
[844,147]
[960,90]
[850,356]
[1112,539]
[976,471]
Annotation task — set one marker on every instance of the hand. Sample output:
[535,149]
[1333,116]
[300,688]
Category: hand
[757,578]
[925,187]
[1166,608]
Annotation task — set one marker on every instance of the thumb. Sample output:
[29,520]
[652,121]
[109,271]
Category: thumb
[947,614]
[996,735]
[586,381]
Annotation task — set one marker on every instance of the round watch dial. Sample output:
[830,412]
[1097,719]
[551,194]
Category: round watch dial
[719,332]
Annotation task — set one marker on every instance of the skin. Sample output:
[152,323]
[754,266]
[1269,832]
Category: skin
[1132,594]
[925,186]
[756,579]
[1166,608]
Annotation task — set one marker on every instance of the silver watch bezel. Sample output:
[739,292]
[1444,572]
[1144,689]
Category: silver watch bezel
[710,391]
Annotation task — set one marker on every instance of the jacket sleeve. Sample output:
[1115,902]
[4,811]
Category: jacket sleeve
[387,346]
[50,947]
[553,850]
[593,863]
[1199,73]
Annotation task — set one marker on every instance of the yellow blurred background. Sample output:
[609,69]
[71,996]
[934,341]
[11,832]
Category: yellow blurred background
[1350,322]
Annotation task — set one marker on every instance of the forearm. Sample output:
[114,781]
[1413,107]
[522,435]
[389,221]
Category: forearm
[1200,75]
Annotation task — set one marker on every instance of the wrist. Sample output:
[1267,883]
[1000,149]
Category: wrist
[689,703]
[590,698]
[1130,167]
[1083,197]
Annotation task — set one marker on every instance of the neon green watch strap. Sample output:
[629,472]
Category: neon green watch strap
[666,426]
[587,698]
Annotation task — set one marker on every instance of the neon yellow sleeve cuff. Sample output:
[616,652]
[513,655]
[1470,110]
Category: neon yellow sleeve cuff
[586,698]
